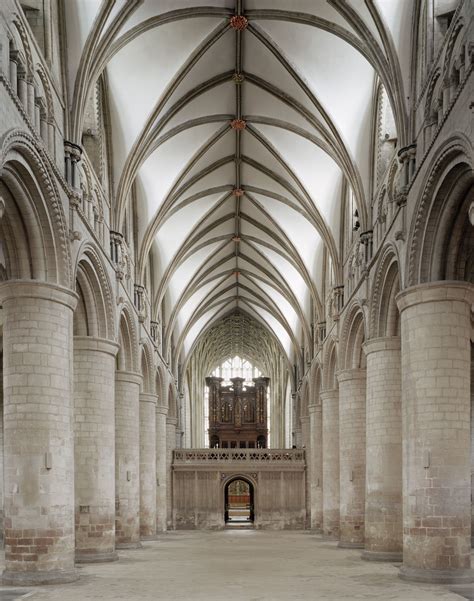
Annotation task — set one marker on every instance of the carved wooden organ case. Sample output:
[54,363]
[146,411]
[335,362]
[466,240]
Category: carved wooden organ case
[238,413]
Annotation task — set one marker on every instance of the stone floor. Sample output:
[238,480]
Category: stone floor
[235,565]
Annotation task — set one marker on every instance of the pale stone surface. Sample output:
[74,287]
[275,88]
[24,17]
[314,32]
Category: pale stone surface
[170,445]
[435,322]
[238,566]
[147,465]
[94,448]
[38,435]
[127,459]
[316,467]
[352,387]
[330,403]
[383,504]
[161,472]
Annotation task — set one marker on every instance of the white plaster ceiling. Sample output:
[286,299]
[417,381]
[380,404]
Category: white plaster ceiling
[309,69]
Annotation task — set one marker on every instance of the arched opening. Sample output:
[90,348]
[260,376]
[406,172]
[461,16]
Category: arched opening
[239,503]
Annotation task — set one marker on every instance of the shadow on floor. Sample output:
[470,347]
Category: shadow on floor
[465,591]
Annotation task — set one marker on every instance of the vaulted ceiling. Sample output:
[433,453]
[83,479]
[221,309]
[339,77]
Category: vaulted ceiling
[238,126]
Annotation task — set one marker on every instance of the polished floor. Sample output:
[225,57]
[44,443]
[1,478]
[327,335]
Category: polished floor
[233,565]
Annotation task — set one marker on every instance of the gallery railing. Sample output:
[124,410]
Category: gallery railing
[184,456]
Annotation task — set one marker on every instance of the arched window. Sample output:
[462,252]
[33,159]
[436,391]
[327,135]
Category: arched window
[385,136]
[236,368]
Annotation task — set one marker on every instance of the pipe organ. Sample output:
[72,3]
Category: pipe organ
[238,413]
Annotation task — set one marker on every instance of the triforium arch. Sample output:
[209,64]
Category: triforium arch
[32,221]
[94,313]
[384,314]
[440,235]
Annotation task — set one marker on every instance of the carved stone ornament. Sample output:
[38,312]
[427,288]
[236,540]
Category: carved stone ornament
[238,78]
[238,124]
[237,192]
[238,22]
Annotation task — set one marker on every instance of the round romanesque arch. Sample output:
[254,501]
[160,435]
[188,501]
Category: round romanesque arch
[146,367]
[330,364]
[438,246]
[127,358]
[94,312]
[352,337]
[33,223]
[384,315]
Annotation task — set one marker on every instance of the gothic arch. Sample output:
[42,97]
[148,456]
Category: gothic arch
[441,213]
[383,309]
[352,337]
[34,223]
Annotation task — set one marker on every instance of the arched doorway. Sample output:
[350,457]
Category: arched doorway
[239,503]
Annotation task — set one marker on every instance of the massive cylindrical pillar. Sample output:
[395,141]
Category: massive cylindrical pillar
[161,464]
[171,423]
[383,497]
[147,466]
[435,332]
[305,443]
[94,448]
[352,391]
[316,467]
[330,411]
[38,418]
[127,460]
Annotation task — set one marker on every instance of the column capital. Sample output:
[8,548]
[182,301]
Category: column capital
[128,376]
[15,289]
[314,407]
[356,373]
[171,421]
[386,343]
[326,395]
[146,397]
[162,409]
[100,345]
[430,292]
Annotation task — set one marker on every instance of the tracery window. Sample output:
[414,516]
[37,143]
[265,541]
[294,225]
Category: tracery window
[237,368]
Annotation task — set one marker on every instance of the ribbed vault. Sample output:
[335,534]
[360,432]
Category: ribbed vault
[235,150]
[237,334]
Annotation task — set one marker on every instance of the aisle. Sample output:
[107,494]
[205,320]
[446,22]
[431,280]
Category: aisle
[246,565]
